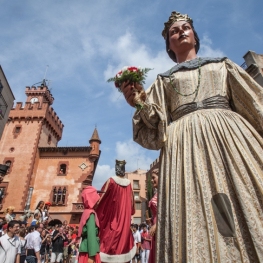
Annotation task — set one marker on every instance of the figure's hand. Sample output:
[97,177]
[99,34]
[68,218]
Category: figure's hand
[133,92]
[152,230]
[148,221]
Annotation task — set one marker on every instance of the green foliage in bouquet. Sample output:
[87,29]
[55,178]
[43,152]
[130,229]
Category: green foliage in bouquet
[131,74]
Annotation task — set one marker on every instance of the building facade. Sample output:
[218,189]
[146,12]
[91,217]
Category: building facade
[6,100]
[38,169]
[254,66]
[138,182]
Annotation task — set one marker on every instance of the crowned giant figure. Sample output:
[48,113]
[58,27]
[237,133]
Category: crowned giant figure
[114,212]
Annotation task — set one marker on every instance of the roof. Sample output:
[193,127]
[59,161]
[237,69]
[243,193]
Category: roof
[95,136]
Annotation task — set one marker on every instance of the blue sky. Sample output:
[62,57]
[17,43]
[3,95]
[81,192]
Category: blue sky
[85,42]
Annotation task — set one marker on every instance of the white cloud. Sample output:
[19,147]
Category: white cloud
[128,51]
[102,174]
[207,50]
[135,156]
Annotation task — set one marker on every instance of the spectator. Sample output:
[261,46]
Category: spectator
[36,219]
[34,244]
[145,244]
[10,247]
[65,223]
[39,210]
[44,245]
[46,210]
[57,245]
[22,233]
[137,240]
[23,224]
[2,222]
[8,213]
[54,229]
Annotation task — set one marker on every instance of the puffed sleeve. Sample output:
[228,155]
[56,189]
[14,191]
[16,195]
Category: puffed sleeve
[150,123]
[246,95]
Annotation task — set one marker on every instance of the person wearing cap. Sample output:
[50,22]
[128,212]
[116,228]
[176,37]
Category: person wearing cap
[206,117]
[89,247]
[114,211]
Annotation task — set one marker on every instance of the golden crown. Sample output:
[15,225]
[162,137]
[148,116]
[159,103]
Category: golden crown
[174,17]
[120,162]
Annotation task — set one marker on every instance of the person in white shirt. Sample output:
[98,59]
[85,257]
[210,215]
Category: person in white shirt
[34,244]
[137,240]
[10,248]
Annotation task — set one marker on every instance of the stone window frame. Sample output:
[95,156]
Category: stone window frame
[137,197]
[138,206]
[12,160]
[59,168]
[60,202]
[14,130]
[136,185]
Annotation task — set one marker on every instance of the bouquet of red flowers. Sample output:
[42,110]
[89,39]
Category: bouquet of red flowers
[131,74]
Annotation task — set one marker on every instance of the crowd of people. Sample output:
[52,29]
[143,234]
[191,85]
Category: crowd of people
[38,241]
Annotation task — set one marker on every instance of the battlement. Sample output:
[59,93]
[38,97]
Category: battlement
[40,91]
[37,111]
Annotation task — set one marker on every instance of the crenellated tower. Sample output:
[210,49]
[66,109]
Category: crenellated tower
[32,125]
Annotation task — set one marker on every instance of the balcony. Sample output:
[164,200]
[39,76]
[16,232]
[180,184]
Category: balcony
[244,66]
[77,207]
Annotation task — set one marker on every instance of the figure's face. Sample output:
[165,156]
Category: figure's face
[120,169]
[181,37]
[154,180]
[41,205]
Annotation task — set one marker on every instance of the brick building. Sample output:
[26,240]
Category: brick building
[39,170]
[138,182]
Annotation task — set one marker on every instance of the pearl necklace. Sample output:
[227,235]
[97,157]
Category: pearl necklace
[198,85]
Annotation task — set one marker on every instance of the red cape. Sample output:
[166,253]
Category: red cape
[114,213]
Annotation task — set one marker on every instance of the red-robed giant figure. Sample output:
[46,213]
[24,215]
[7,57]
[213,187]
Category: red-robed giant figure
[114,212]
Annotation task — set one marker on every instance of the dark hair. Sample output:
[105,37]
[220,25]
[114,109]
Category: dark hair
[135,226]
[39,204]
[30,229]
[12,223]
[171,54]
[38,225]
[22,232]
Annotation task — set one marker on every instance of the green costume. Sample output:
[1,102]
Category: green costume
[90,240]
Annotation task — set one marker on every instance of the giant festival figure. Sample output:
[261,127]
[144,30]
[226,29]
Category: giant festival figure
[206,116]
[114,211]
[89,247]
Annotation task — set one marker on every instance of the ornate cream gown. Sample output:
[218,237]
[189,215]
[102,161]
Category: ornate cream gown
[210,203]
